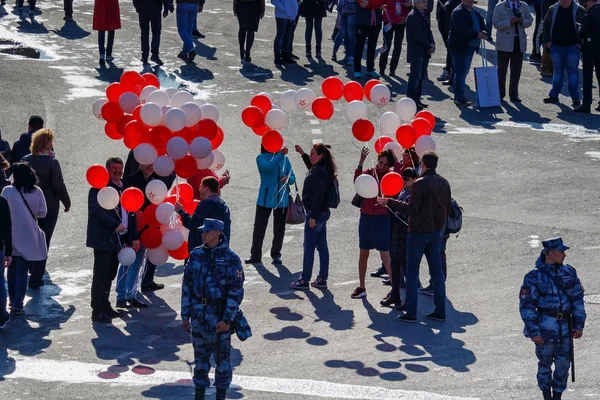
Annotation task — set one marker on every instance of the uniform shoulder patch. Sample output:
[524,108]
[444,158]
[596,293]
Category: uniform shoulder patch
[524,293]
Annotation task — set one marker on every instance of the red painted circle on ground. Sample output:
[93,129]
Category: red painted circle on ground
[143,370]
[109,375]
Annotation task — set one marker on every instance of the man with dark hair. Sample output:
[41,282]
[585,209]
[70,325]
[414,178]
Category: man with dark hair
[21,147]
[210,206]
[589,39]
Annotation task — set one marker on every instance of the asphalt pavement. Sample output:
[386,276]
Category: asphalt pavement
[522,172]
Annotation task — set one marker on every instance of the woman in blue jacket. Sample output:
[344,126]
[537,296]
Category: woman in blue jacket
[275,177]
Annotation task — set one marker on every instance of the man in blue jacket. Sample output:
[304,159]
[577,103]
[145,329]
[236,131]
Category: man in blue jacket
[286,12]
[149,13]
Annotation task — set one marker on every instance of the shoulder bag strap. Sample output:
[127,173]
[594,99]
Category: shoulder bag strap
[25,201]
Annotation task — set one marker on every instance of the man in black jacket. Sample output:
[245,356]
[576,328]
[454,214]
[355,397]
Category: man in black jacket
[443,12]
[107,232]
[149,12]
[420,47]
[21,147]
[589,40]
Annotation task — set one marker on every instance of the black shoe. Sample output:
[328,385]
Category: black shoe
[110,313]
[152,286]
[101,318]
[144,60]
[4,321]
[582,109]
[379,272]
[221,393]
[556,395]
[464,103]
[392,72]
[135,303]
[550,100]
[35,285]
[319,55]
[276,260]
[422,105]
[289,60]
[155,58]
[515,98]
[197,34]
[278,62]
[191,55]
[294,57]
[407,318]
[428,291]
[389,301]
[200,393]
[436,317]
[248,59]
[387,282]
[183,56]
[252,260]
[400,306]
[576,103]
[547,394]
[309,55]
[449,82]
[123,304]
[68,18]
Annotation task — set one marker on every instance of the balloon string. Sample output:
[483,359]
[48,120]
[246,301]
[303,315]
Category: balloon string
[395,215]
[177,188]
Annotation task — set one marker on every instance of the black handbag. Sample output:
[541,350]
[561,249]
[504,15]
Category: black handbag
[295,214]
[357,201]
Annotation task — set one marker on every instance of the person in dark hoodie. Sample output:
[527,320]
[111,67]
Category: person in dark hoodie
[21,147]
[210,206]
[318,181]
[149,13]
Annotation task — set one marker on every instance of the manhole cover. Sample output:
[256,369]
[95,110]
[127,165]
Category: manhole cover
[592,299]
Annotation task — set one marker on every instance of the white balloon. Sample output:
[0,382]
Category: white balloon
[356,110]
[205,163]
[164,211]
[210,111]
[164,110]
[145,154]
[156,191]
[200,102]
[159,97]
[380,95]
[126,256]
[366,186]
[146,92]
[396,148]
[304,98]
[108,198]
[175,119]
[218,161]
[172,239]
[172,92]
[180,98]
[276,119]
[164,166]
[128,101]
[287,101]
[97,107]
[200,147]
[406,109]
[193,114]
[177,147]
[424,144]
[389,122]
[158,256]
[151,114]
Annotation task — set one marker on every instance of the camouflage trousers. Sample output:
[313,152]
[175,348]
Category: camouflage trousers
[559,354]
[206,343]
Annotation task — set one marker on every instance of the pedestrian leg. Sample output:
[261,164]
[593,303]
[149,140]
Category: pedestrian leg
[545,354]
[261,220]
[278,231]
[562,363]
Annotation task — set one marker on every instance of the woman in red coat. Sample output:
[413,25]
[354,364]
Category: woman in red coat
[107,18]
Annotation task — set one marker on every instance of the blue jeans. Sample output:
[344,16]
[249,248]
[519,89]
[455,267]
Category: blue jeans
[3,313]
[129,276]
[418,69]
[186,15]
[282,46]
[316,238]
[429,244]
[461,64]
[347,35]
[565,57]
[17,281]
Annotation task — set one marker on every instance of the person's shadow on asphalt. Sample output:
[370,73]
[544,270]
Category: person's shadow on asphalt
[71,31]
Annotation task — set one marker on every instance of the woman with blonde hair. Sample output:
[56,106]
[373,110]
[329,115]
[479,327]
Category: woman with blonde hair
[49,173]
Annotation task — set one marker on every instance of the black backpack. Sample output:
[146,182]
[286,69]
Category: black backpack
[454,222]
[333,195]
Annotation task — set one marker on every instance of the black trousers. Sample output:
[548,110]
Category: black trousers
[68,5]
[588,66]
[106,265]
[444,34]
[261,220]
[515,59]
[31,4]
[398,266]
[150,20]
[538,21]
[395,35]
[48,223]
[369,35]
[149,274]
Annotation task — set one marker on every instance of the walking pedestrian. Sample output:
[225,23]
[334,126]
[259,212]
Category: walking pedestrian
[21,147]
[443,14]
[313,12]
[149,16]
[68,9]
[186,13]
[286,12]
[346,13]
[211,294]
[546,67]
[511,18]
[26,203]
[248,13]
[589,39]
[5,256]
[552,308]
[394,24]
[195,32]
[315,192]
[535,56]
[107,19]
[50,180]
[489,22]
[421,46]
[368,25]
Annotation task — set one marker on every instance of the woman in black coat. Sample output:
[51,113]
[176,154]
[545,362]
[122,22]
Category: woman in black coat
[5,256]
[313,12]
[249,13]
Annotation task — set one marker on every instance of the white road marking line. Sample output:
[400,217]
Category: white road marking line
[308,113]
[314,122]
[75,372]
[344,283]
[315,131]
[298,227]
[591,248]
[315,141]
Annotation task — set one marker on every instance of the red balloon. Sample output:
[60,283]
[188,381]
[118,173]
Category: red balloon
[381,142]
[363,129]
[422,127]
[141,221]
[97,176]
[368,86]
[206,128]
[272,141]
[112,131]
[186,167]
[322,108]
[261,131]
[180,253]
[253,117]
[190,206]
[188,134]
[132,199]
[114,91]
[122,122]
[263,102]
[353,91]
[428,115]
[333,88]
[111,112]
[150,216]
[151,238]
[170,199]
[406,136]
[159,136]
[151,80]
[135,133]
[136,113]
[218,140]
[186,192]
[391,184]
[132,81]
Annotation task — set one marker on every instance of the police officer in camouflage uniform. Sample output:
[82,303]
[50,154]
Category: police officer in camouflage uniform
[552,308]
[211,295]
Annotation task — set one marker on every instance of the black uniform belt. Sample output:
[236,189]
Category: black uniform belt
[554,313]
[204,301]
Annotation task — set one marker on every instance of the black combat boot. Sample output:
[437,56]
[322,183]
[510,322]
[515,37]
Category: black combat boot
[557,395]
[221,394]
[547,394]
[200,392]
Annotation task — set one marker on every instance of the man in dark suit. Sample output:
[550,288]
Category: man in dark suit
[421,46]
[149,13]
[589,40]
